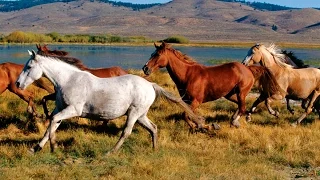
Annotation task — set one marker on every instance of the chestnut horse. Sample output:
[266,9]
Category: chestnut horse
[99,72]
[9,73]
[198,84]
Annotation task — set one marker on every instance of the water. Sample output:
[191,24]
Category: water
[134,57]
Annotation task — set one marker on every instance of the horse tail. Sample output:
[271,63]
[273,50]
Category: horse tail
[168,96]
[43,85]
[266,80]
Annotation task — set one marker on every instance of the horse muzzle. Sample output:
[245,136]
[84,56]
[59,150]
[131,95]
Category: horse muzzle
[18,84]
[146,70]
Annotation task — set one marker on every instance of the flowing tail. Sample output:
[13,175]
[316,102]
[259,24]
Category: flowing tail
[167,95]
[43,85]
[266,80]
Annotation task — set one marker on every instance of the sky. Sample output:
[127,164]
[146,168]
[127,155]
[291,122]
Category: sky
[288,3]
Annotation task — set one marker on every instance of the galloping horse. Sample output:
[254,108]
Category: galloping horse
[99,72]
[79,93]
[9,73]
[296,83]
[197,83]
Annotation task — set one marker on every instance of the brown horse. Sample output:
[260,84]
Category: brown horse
[9,73]
[198,84]
[99,72]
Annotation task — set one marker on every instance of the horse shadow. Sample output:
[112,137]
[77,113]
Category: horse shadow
[29,126]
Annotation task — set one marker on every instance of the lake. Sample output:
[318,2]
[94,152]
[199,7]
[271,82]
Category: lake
[134,57]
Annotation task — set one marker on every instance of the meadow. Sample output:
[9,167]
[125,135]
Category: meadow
[266,148]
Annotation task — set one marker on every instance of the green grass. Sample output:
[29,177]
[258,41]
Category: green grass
[267,148]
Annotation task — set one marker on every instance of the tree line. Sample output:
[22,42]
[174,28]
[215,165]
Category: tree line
[6,6]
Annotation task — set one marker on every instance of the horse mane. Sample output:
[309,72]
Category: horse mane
[69,60]
[294,58]
[180,55]
[60,55]
[279,58]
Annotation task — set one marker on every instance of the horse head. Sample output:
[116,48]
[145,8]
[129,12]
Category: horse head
[158,59]
[254,55]
[30,72]
[44,50]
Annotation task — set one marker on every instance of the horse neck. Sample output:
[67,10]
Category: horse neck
[268,60]
[58,72]
[178,69]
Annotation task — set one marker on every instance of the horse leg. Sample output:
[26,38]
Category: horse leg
[26,96]
[289,107]
[194,104]
[57,117]
[309,107]
[44,106]
[260,99]
[145,122]
[132,117]
[271,111]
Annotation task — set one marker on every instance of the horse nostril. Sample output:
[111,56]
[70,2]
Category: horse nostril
[145,68]
[17,84]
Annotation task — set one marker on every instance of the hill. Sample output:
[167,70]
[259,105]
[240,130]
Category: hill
[198,20]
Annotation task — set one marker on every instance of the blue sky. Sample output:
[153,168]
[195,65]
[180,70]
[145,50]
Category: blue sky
[288,3]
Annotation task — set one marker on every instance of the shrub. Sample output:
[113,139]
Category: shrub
[177,39]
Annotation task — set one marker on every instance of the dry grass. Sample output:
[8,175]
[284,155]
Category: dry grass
[267,148]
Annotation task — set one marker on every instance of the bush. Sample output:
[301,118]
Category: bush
[177,39]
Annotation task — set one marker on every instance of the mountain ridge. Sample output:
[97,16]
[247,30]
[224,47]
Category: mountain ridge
[198,20]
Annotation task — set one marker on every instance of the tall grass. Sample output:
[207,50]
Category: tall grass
[267,148]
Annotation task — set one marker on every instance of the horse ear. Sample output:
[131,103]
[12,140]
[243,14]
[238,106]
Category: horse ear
[38,47]
[32,54]
[156,46]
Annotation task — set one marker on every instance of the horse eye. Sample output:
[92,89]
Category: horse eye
[28,67]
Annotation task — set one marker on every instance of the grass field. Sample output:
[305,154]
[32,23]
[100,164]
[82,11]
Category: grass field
[266,148]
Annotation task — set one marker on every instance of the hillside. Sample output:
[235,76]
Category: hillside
[198,20]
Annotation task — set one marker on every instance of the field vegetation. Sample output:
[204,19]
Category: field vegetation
[267,148]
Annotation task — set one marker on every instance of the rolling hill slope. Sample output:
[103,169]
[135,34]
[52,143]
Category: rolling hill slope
[198,20]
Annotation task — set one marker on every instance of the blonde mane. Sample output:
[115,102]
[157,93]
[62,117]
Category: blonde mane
[279,57]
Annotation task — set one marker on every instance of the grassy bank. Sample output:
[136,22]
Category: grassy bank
[267,148]
[20,37]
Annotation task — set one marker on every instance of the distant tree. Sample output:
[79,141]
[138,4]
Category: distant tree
[274,27]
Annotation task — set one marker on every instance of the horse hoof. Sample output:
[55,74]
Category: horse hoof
[235,124]
[248,119]
[31,151]
[295,124]
[216,126]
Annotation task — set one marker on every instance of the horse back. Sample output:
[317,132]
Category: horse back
[107,72]
[213,82]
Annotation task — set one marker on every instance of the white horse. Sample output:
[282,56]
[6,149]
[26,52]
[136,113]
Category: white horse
[296,83]
[80,93]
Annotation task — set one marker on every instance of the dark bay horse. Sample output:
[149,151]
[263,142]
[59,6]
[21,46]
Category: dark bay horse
[198,84]
[9,73]
[99,72]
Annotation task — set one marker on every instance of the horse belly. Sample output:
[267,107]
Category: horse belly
[105,110]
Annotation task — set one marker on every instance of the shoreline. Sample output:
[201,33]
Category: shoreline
[234,44]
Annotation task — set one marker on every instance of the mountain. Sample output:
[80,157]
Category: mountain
[198,20]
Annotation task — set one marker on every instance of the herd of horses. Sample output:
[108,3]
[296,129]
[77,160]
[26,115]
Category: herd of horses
[108,93]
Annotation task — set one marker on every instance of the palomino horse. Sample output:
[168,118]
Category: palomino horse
[79,93]
[197,83]
[9,73]
[99,72]
[296,83]
[291,59]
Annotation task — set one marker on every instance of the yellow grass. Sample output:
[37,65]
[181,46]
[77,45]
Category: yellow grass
[267,148]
